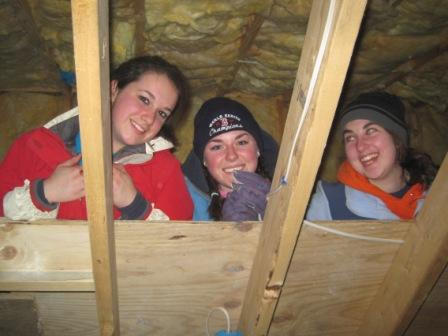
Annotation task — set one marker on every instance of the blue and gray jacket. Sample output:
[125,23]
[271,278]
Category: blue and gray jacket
[336,201]
[197,183]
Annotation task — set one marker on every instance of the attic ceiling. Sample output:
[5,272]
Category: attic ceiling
[238,46]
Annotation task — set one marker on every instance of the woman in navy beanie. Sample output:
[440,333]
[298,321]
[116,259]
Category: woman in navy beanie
[229,144]
[382,177]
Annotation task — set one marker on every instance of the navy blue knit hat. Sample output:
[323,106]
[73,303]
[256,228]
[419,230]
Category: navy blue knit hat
[380,107]
[220,115]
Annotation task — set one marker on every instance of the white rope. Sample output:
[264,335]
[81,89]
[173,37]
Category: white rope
[352,235]
[211,312]
[313,81]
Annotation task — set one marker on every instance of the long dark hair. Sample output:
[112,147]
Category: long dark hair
[131,70]
[419,166]
[215,207]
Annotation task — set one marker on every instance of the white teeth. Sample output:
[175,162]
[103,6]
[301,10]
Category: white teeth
[231,170]
[137,126]
[368,157]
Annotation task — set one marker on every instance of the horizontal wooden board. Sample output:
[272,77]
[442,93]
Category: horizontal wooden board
[332,279]
[170,275]
[47,257]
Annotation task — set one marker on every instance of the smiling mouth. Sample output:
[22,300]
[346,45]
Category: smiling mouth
[368,159]
[137,126]
[232,169]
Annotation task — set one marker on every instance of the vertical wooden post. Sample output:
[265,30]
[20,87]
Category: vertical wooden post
[286,208]
[416,267]
[91,46]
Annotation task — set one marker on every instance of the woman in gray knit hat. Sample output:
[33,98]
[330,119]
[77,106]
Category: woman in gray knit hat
[382,177]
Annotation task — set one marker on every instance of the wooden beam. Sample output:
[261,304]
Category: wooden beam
[431,317]
[56,281]
[45,257]
[168,285]
[415,269]
[287,207]
[252,28]
[19,316]
[410,67]
[28,24]
[333,278]
[91,49]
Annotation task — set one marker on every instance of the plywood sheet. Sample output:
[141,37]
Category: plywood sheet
[170,275]
[18,316]
[332,279]
[432,318]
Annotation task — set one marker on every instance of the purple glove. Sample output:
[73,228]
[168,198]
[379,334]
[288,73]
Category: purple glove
[247,201]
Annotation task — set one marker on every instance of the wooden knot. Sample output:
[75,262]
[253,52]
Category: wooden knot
[8,252]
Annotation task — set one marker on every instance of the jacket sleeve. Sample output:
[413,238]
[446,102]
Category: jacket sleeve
[201,202]
[142,209]
[318,208]
[172,197]
[18,205]
[17,170]
[162,193]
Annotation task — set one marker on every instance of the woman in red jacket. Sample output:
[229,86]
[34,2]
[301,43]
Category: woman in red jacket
[41,175]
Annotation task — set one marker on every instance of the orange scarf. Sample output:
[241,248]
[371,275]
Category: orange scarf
[403,207]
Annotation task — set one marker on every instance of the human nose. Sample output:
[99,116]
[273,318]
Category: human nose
[149,115]
[361,144]
[231,154]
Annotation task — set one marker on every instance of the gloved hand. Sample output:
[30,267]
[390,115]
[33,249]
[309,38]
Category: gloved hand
[247,201]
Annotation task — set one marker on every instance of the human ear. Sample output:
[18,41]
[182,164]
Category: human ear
[113,90]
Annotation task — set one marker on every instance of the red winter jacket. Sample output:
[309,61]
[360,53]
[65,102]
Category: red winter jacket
[35,155]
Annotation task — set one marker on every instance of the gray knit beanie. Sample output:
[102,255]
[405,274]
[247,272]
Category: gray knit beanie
[380,107]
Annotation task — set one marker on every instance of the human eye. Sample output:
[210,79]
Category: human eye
[164,114]
[243,140]
[348,138]
[371,130]
[144,100]
[214,146]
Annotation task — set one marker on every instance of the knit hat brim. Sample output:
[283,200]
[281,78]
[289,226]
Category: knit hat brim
[381,108]
[221,115]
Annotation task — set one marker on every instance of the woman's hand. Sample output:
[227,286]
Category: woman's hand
[66,183]
[248,200]
[124,190]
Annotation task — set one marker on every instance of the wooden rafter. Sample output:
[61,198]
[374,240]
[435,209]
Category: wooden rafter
[28,24]
[416,268]
[251,32]
[91,46]
[151,267]
[140,25]
[400,73]
[286,209]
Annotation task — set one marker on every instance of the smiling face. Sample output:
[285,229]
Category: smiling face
[227,152]
[141,108]
[371,151]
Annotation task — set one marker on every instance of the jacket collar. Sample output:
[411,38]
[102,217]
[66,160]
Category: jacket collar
[66,126]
